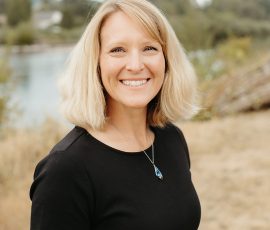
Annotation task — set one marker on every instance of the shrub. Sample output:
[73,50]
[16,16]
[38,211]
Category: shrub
[235,50]
[23,34]
[18,11]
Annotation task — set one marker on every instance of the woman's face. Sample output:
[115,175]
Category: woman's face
[132,63]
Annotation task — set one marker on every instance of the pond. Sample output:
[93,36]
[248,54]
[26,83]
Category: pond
[35,75]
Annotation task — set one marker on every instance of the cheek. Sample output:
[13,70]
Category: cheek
[158,66]
[103,67]
[109,69]
[162,64]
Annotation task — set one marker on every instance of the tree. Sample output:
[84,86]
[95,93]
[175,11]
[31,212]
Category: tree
[68,17]
[17,11]
[76,12]
[2,6]
[243,8]
[265,4]
[175,7]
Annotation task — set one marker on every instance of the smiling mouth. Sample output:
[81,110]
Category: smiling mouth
[134,83]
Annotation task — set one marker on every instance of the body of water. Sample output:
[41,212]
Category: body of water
[35,76]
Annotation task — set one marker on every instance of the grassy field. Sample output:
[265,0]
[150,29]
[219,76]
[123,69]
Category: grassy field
[20,152]
[230,169]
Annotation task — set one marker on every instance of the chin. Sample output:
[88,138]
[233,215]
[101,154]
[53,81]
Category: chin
[137,104]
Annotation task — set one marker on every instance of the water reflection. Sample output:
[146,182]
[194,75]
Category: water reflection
[36,92]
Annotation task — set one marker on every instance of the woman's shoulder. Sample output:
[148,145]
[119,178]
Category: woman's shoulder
[72,137]
[172,132]
[71,145]
[65,154]
[169,129]
[63,164]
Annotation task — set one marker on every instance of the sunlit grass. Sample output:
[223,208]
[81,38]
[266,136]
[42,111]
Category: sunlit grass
[229,164]
[22,148]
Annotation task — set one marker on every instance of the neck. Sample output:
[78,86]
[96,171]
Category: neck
[130,126]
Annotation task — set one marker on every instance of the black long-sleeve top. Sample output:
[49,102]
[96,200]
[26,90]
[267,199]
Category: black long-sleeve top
[84,184]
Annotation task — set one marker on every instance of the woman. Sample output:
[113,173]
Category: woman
[124,165]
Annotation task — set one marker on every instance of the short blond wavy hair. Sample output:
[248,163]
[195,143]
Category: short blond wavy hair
[83,99]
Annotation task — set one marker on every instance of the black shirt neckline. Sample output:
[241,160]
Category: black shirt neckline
[127,153]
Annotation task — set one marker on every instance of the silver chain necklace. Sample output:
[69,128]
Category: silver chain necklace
[157,171]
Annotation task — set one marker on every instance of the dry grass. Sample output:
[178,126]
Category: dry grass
[230,168]
[20,152]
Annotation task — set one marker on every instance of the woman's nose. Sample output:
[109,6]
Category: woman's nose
[135,62]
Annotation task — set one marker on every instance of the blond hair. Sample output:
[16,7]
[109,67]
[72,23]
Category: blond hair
[83,100]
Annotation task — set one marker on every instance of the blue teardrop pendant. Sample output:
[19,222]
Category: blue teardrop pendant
[158,173]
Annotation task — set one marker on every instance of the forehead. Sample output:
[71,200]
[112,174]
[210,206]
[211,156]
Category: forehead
[119,26]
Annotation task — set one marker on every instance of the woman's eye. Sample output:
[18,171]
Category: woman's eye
[117,49]
[149,48]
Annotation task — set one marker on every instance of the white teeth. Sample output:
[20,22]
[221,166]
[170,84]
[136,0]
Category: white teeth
[134,82]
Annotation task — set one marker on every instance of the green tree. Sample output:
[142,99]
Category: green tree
[17,11]
[68,17]
[76,12]
[192,30]
[265,4]
[258,9]
[175,7]
[2,6]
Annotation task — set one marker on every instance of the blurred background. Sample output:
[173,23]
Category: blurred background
[228,42]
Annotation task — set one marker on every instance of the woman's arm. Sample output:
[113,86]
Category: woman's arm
[61,194]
